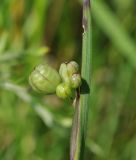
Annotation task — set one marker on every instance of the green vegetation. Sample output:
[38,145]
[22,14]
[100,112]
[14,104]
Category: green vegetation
[82,105]
[38,127]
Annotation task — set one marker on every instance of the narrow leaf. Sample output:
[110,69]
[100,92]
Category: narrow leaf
[114,30]
[82,102]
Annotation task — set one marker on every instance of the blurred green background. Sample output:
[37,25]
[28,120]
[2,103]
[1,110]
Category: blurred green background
[37,127]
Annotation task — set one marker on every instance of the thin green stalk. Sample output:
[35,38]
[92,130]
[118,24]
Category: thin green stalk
[82,102]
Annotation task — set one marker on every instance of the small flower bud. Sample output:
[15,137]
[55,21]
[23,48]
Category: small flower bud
[75,81]
[63,91]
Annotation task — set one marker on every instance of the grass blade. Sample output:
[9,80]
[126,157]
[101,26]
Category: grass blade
[82,105]
[113,29]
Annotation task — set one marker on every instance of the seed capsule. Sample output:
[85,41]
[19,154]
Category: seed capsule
[44,79]
[72,68]
[75,81]
[67,70]
[63,91]
[64,73]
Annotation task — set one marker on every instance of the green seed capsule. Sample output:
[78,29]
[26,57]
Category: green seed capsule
[67,70]
[44,79]
[75,81]
[63,91]
[72,68]
[64,73]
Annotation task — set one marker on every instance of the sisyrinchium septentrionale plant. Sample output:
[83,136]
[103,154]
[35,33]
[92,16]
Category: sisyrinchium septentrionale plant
[45,79]
[66,83]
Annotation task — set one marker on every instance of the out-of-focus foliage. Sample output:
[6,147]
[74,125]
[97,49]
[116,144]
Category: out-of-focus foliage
[37,127]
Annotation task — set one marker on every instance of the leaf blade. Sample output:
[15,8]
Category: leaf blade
[81,113]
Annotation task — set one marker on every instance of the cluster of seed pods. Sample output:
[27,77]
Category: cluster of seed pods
[45,79]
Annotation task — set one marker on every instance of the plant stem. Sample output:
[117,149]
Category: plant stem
[82,104]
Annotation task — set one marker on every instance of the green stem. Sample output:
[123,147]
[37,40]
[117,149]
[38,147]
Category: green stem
[82,104]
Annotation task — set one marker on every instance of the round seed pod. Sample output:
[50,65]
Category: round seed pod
[72,68]
[44,79]
[63,91]
[64,73]
[75,81]
[67,70]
